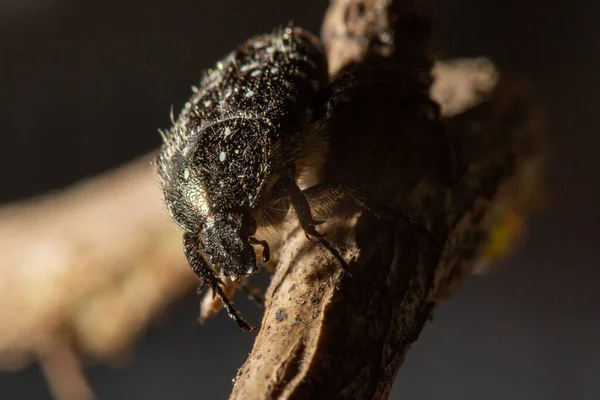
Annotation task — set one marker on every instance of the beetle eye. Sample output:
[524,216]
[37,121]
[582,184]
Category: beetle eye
[248,225]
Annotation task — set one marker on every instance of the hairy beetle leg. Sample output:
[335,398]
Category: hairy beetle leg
[329,193]
[348,84]
[208,278]
[266,255]
[303,211]
[231,310]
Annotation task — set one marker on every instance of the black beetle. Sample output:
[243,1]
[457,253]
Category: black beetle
[233,158]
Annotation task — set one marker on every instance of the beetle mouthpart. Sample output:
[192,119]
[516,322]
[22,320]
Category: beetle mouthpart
[252,269]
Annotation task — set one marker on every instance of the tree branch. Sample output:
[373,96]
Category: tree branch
[330,335]
[83,272]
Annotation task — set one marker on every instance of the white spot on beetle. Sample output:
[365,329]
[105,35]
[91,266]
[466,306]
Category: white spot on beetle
[250,93]
[227,131]
[186,174]
[222,156]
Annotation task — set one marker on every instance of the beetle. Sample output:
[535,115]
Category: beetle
[254,132]
[233,159]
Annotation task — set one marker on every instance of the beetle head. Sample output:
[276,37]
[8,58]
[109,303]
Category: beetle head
[225,240]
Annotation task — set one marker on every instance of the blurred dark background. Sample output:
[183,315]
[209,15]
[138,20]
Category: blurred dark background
[85,85]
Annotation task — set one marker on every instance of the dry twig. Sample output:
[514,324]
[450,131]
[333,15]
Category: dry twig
[329,335]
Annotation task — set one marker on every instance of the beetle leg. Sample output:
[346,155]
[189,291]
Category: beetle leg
[208,278]
[302,208]
[266,255]
[348,85]
[328,194]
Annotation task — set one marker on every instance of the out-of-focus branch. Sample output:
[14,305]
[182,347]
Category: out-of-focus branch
[326,334]
[84,270]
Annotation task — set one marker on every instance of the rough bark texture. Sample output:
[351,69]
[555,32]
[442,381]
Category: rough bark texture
[73,264]
[326,334]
